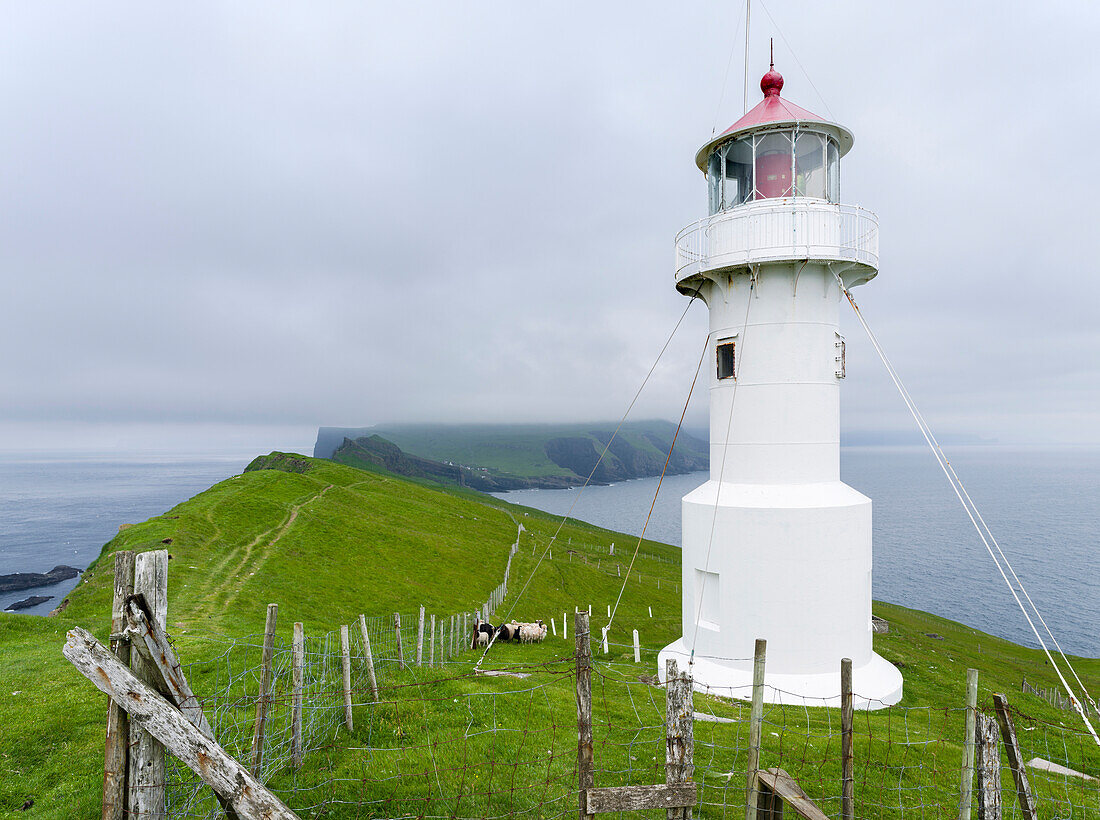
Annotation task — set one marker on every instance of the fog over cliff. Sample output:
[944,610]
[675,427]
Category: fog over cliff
[227,224]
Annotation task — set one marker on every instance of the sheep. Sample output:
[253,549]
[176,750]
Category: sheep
[532,633]
[484,633]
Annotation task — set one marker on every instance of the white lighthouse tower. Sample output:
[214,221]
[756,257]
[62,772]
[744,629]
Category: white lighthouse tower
[775,546]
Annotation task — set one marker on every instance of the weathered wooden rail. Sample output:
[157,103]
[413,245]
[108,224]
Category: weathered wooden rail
[677,794]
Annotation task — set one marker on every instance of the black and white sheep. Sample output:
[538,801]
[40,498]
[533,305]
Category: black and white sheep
[484,633]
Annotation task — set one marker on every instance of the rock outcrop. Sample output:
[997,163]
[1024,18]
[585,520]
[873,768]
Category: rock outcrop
[28,580]
[27,603]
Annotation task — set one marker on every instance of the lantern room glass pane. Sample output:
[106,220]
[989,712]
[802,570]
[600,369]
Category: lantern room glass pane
[809,165]
[714,183]
[833,160]
[737,187]
[773,165]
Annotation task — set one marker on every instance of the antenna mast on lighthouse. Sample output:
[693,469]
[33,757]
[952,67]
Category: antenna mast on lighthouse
[745,98]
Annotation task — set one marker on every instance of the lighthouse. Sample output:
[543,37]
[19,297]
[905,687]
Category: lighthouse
[775,545]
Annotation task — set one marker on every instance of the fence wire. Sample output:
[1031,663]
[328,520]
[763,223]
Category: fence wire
[443,740]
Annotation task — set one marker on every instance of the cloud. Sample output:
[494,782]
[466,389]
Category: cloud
[342,214]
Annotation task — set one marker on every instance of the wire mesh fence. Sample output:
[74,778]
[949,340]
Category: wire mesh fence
[447,740]
[227,685]
[1070,787]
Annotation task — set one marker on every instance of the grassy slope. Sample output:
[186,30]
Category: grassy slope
[336,541]
[326,545]
[514,449]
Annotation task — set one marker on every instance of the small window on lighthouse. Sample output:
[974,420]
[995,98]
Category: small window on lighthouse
[809,165]
[727,361]
[841,357]
[737,187]
[714,183]
[833,157]
[773,165]
[708,611]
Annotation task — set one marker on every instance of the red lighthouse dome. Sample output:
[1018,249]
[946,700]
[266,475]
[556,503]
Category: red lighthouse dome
[772,82]
[775,111]
[776,150]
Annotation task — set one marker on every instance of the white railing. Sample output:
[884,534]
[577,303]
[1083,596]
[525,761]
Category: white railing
[775,230]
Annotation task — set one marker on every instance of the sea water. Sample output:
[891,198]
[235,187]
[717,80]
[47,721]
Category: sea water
[62,510]
[1041,503]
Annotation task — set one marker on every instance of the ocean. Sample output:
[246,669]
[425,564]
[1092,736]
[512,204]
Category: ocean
[63,509]
[1041,503]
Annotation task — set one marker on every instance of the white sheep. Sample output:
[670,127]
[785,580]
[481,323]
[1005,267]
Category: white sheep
[532,633]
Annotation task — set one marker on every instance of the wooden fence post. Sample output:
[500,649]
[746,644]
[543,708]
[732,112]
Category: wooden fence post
[345,657]
[297,656]
[637,648]
[116,748]
[242,794]
[988,763]
[146,769]
[397,631]
[586,774]
[420,639]
[263,698]
[431,644]
[603,632]
[1015,760]
[679,733]
[370,657]
[966,787]
[847,749]
[755,726]
[564,628]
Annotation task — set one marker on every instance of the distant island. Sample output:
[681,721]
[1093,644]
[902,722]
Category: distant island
[502,457]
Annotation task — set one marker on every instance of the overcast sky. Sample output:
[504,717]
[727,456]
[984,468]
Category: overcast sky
[236,222]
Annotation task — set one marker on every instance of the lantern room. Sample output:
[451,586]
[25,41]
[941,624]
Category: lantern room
[776,150]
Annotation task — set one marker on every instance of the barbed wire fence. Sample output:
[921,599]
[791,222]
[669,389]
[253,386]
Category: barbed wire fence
[442,740]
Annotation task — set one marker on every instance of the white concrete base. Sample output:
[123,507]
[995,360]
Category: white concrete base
[875,685]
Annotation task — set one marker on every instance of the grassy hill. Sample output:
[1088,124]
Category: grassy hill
[538,451]
[327,542]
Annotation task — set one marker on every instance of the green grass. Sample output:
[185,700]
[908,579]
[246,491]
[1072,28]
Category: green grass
[331,542]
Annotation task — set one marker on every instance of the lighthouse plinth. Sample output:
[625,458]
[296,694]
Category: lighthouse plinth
[775,546]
